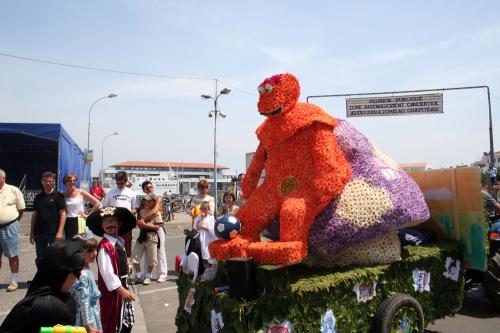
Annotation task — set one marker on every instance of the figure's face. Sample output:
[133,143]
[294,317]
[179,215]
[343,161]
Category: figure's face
[149,204]
[89,256]
[111,225]
[95,183]
[120,184]
[71,183]
[204,209]
[148,188]
[203,190]
[48,184]
[228,199]
[278,94]
[2,180]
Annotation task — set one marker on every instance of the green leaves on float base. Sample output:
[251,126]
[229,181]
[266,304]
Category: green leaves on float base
[302,294]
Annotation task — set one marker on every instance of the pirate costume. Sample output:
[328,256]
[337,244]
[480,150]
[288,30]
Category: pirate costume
[44,304]
[117,316]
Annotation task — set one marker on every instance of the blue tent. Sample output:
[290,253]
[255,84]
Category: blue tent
[29,149]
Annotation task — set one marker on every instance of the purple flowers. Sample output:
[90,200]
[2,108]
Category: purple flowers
[373,176]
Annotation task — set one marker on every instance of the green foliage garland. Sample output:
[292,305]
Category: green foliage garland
[302,294]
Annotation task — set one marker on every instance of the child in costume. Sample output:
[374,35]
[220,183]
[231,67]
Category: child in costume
[85,291]
[117,311]
[147,241]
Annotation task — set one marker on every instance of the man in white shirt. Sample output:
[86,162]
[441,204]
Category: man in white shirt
[11,210]
[492,172]
[122,196]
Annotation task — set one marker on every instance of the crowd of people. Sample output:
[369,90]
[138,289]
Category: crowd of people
[64,289]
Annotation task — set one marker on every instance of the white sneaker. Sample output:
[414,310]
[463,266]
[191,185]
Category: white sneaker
[162,278]
[146,281]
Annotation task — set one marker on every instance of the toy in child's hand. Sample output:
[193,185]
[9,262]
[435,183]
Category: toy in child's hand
[227,227]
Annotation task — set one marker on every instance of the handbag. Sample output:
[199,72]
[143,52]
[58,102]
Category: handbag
[82,225]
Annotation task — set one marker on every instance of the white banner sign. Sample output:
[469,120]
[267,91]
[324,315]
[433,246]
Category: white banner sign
[394,105]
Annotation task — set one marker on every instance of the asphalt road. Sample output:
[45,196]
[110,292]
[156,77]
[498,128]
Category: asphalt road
[157,303]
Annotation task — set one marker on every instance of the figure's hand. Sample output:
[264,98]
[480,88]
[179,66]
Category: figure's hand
[141,224]
[59,236]
[90,328]
[126,295]
[82,214]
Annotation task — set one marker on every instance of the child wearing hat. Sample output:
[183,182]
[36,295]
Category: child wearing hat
[117,311]
[147,240]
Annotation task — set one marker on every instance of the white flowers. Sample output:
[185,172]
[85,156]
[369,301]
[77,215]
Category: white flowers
[362,203]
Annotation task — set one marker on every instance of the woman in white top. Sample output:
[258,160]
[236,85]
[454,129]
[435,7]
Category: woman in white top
[75,198]
[204,223]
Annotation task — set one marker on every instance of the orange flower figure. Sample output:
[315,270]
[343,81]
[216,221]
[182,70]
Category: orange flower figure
[305,170]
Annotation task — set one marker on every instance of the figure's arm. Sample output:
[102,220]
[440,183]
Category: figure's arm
[331,169]
[32,229]
[134,204]
[21,206]
[155,210]
[62,221]
[90,198]
[251,179]
[111,280]
[80,292]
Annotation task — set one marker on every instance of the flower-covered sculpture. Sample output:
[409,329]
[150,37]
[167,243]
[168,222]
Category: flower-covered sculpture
[305,170]
[335,195]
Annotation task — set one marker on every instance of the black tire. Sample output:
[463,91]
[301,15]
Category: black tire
[393,309]
[492,280]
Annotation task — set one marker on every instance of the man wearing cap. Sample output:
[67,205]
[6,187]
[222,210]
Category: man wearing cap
[11,210]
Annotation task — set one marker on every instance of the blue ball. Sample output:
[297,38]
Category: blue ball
[227,227]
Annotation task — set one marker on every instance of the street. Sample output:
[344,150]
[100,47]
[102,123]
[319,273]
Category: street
[157,303]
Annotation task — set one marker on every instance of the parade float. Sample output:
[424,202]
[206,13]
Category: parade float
[319,249]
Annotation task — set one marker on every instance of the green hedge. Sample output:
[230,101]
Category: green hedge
[301,294]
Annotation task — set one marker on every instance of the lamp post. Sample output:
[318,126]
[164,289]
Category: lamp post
[216,113]
[88,133]
[102,153]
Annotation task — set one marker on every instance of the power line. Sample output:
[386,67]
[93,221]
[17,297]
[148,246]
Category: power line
[90,68]
[106,70]
[237,89]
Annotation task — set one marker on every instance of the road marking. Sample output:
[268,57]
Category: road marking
[156,290]
[180,236]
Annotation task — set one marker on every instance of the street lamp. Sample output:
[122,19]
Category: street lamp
[102,153]
[216,113]
[88,133]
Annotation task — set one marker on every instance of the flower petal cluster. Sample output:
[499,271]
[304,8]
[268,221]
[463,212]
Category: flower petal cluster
[363,204]
[338,227]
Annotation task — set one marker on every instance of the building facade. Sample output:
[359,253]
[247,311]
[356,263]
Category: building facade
[168,177]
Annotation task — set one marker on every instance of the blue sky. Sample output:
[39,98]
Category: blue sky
[333,47]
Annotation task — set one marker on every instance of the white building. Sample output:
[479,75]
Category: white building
[169,177]
[484,162]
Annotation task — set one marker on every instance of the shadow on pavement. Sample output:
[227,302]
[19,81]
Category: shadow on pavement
[20,286]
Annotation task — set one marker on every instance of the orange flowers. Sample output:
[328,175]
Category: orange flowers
[305,170]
